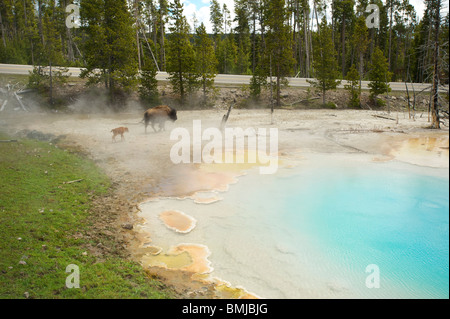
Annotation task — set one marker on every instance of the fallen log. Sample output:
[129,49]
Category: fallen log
[384,117]
[25,91]
[307,100]
[304,100]
[20,102]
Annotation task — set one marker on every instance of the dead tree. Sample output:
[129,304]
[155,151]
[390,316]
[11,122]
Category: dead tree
[225,118]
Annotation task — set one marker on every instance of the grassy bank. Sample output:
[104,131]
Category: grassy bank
[43,225]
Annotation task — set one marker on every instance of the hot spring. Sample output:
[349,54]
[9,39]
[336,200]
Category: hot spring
[311,231]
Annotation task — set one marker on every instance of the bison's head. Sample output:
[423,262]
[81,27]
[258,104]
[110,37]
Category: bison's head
[173,114]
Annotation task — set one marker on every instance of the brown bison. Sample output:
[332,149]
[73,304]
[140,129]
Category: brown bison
[159,114]
[119,131]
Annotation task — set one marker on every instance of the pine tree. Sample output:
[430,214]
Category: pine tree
[436,122]
[360,43]
[269,37]
[69,36]
[205,59]
[12,25]
[279,44]
[254,7]
[110,46]
[226,54]
[353,87]
[393,7]
[148,90]
[49,54]
[242,32]
[444,50]
[257,81]
[379,75]
[228,48]
[325,63]
[163,13]
[180,54]
[216,18]
[343,15]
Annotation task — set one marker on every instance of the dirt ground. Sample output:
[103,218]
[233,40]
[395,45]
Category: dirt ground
[140,166]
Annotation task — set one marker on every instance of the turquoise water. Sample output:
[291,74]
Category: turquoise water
[311,231]
[357,214]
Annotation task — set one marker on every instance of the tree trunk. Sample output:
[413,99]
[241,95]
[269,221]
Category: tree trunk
[32,52]
[409,102]
[226,39]
[136,17]
[3,30]
[361,66]
[151,52]
[343,45]
[271,85]
[305,27]
[152,24]
[371,43]
[41,33]
[254,43]
[310,41]
[204,88]
[163,52]
[263,32]
[138,48]
[299,40]
[427,60]
[332,21]
[390,35]
[435,114]
[278,84]
[317,17]
[407,77]
[294,40]
[70,53]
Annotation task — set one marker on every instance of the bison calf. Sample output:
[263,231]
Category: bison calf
[159,114]
[119,131]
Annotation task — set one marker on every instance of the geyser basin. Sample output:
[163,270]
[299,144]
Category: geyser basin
[311,231]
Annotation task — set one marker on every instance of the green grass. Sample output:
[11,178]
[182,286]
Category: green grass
[40,218]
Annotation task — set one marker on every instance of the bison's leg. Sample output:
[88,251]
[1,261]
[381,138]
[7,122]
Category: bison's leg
[146,120]
[153,126]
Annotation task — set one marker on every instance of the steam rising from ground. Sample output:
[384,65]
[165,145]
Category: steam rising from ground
[97,101]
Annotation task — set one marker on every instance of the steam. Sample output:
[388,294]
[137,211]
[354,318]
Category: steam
[97,101]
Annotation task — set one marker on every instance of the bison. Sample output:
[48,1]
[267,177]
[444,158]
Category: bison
[119,131]
[159,114]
